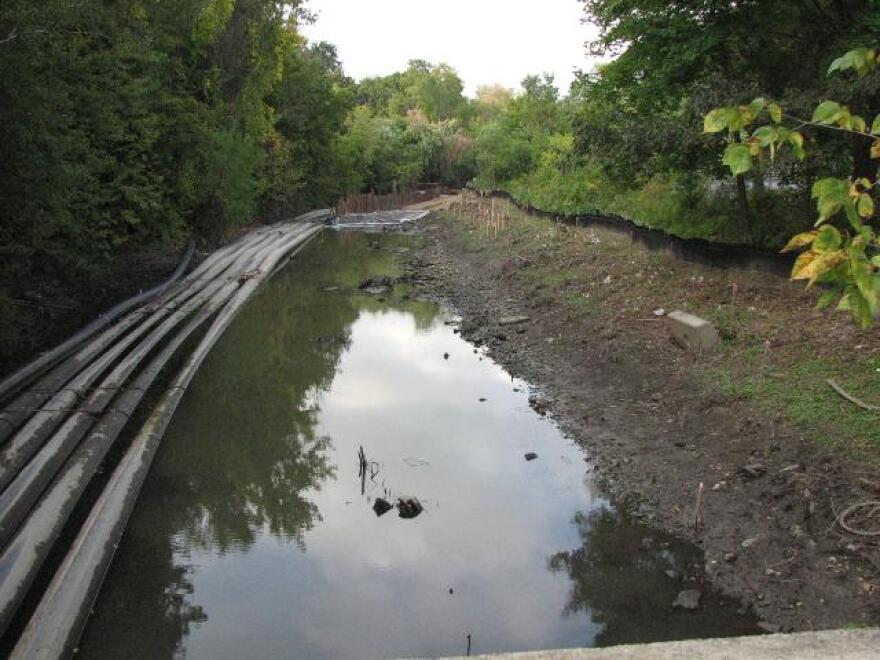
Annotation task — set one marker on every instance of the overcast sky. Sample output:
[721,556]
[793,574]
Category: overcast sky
[487,41]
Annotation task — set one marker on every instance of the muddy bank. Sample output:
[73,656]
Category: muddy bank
[656,431]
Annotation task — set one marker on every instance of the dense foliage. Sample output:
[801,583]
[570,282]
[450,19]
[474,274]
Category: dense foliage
[141,121]
[628,138]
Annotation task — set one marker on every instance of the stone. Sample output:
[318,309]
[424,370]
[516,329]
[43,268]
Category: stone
[689,599]
[531,456]
[748,543]
[753,470]
[768,627]
[381,506]
[729,557]
[672,574]
[539,404]
[409,507]
[692,332]
[512,320]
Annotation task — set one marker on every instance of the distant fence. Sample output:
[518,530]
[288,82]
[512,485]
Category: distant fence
[371,202]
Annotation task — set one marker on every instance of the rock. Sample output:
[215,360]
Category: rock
[753,470]
[512,320]
[381,506]
[531,456]
[377,285]
[729,557]
[672,574]
[659,312]
[748,543]
[539,404]
[692,332]
[409,507]
[689,599]
[768,627]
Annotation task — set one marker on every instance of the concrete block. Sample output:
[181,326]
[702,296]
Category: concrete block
[692,332]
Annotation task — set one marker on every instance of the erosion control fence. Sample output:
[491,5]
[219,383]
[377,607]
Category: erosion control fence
[720,255]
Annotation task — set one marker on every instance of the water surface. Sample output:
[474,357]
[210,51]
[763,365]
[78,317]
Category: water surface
[255,535]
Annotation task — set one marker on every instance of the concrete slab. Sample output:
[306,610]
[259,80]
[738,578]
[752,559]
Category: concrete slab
[692,332]
[838,644]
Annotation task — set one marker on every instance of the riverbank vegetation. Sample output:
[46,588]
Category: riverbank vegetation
[139,124]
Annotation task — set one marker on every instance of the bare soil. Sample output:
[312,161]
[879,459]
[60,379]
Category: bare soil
[658,421]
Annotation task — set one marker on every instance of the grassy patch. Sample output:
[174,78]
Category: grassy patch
[799,390]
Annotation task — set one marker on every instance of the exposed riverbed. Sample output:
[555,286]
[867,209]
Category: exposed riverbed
[255,535]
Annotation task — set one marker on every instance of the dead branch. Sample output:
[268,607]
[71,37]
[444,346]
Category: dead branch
[849,397]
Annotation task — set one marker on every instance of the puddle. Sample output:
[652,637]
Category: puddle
[255,535]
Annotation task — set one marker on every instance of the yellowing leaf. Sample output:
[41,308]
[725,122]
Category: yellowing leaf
[812,265]
[875,149]
[800,241]
[775,113]
[802,263]
[865,206]
[717,120]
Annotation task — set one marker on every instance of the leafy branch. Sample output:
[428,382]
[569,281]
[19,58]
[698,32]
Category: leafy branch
[847,261]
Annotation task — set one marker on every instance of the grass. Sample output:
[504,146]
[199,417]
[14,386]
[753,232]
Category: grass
[798,389]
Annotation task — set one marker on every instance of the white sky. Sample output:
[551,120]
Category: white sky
[487,41]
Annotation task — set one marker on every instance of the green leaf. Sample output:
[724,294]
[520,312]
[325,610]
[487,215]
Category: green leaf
[775,113]
[875,126]
[875,149]
[827,298]
[828,185]
[858,124]
[860,309]
[738,157]
[826,112]
[832,195]
[766,135]
[863,276]
[841,63]
[755,107]
[876,260]
[828,238]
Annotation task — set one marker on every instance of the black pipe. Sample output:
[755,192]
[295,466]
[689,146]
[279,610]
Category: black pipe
[13,383]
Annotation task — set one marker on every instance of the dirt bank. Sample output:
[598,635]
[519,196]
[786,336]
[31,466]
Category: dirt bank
[779,456]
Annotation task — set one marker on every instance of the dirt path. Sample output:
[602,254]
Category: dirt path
[653,428]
